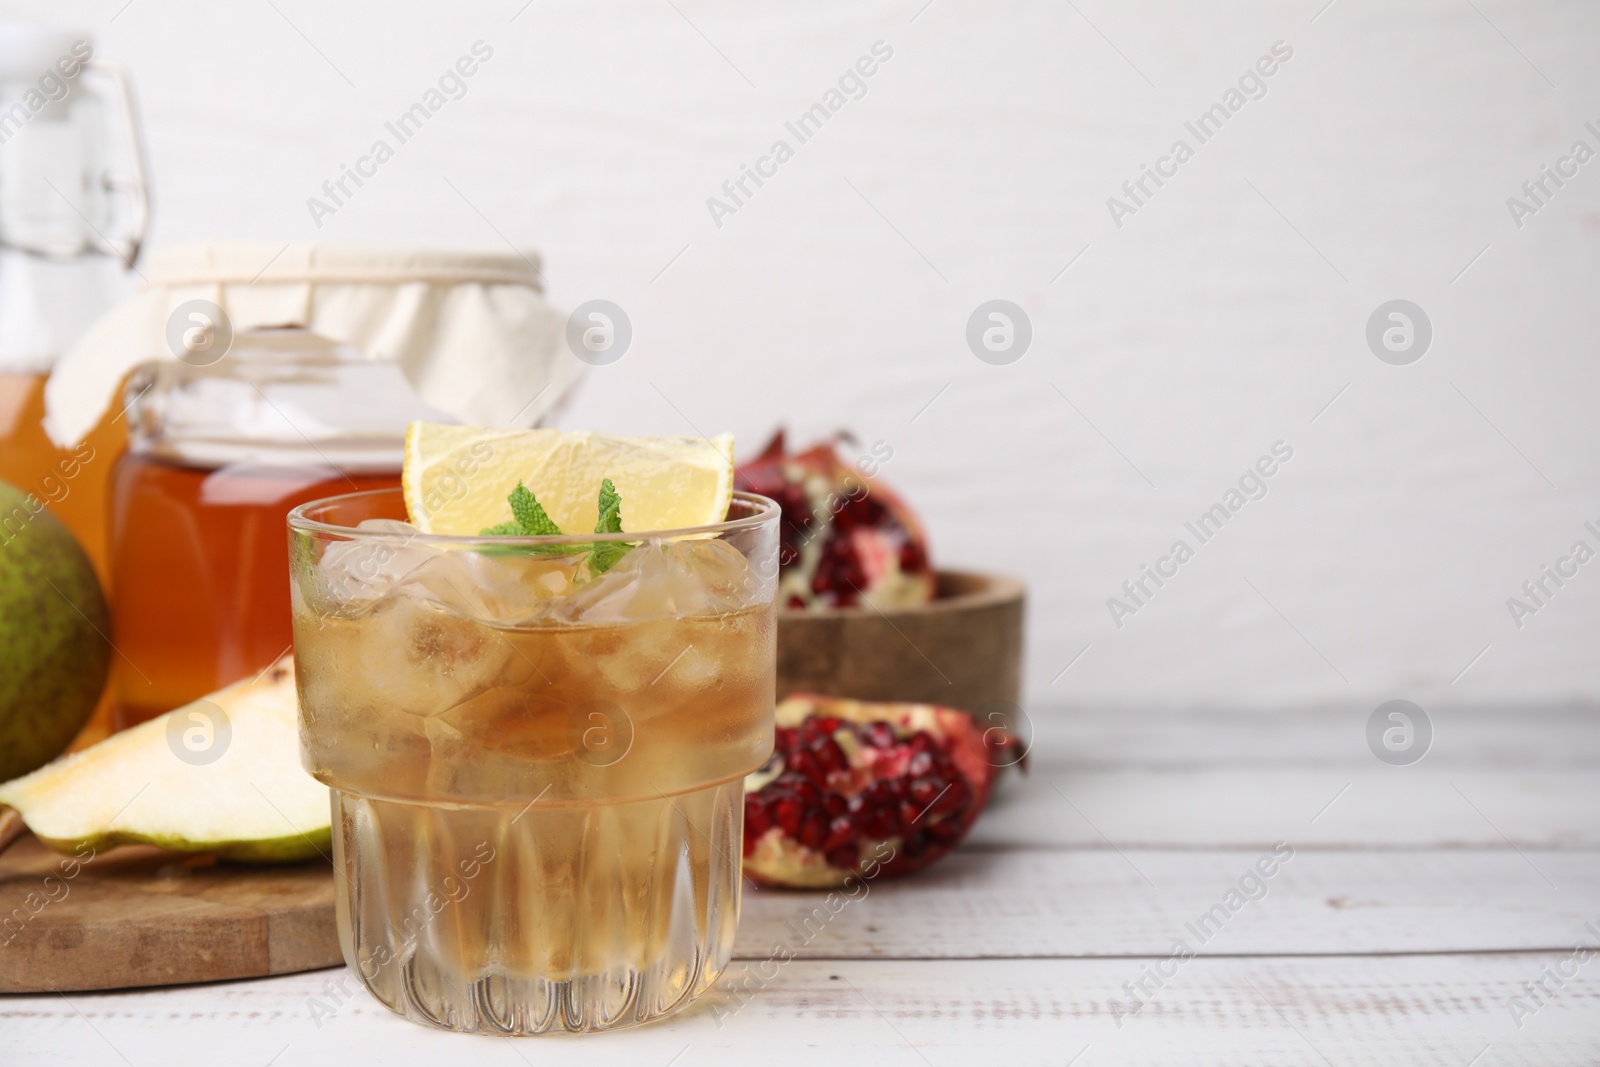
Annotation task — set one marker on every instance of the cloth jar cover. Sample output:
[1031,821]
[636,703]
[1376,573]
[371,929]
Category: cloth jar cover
[471,332]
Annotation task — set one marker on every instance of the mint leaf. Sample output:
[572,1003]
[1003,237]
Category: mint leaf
[610,509]
[528,518]
[604,555]
[530,514]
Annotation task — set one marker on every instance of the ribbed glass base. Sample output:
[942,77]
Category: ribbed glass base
[542,919]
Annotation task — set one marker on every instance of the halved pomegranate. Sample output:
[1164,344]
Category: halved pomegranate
[857,786]
[843,535]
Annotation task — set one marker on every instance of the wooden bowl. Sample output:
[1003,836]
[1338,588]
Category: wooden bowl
[962,649]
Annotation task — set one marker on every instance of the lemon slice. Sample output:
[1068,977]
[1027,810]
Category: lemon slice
[456,478]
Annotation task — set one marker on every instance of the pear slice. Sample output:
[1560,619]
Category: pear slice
[220,775]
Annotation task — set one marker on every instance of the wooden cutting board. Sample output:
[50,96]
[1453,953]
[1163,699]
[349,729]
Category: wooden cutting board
[141,916]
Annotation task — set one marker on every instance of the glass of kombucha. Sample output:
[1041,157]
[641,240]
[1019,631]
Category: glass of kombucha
[537,770]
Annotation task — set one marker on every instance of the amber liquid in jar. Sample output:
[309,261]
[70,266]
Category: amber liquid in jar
[200,594]
[71,482]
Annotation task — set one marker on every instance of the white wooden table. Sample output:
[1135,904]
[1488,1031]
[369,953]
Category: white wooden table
[1418,903]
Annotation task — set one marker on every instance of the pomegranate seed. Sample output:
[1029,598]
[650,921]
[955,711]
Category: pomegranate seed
[757,817]
[881,735]
[792,499]
[841,831]
[828,725]
[854,804]
[870,512]
[844,857]
[830,755]
[925,791]
[879,823]
[920,765]
[915,844]
[863,510]
[910,813]
[801,787]
[814,831]
[880,793]
[790,813]
[839,571]
[803,762]
[956,798]
[835,804]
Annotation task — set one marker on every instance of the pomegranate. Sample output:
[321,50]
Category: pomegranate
[858,786]
[843,535]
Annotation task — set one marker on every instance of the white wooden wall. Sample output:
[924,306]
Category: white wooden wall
[1168,354]
[1225,315]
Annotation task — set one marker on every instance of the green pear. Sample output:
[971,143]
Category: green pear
[54,653]
[220,775]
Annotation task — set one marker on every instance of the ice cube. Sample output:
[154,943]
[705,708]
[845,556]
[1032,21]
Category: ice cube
[670,579]
[694,668]
[522,721]
[711,577]
[502,741]
[616,659]
[413,655]
[634,588]
[357,572]
[500,588]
